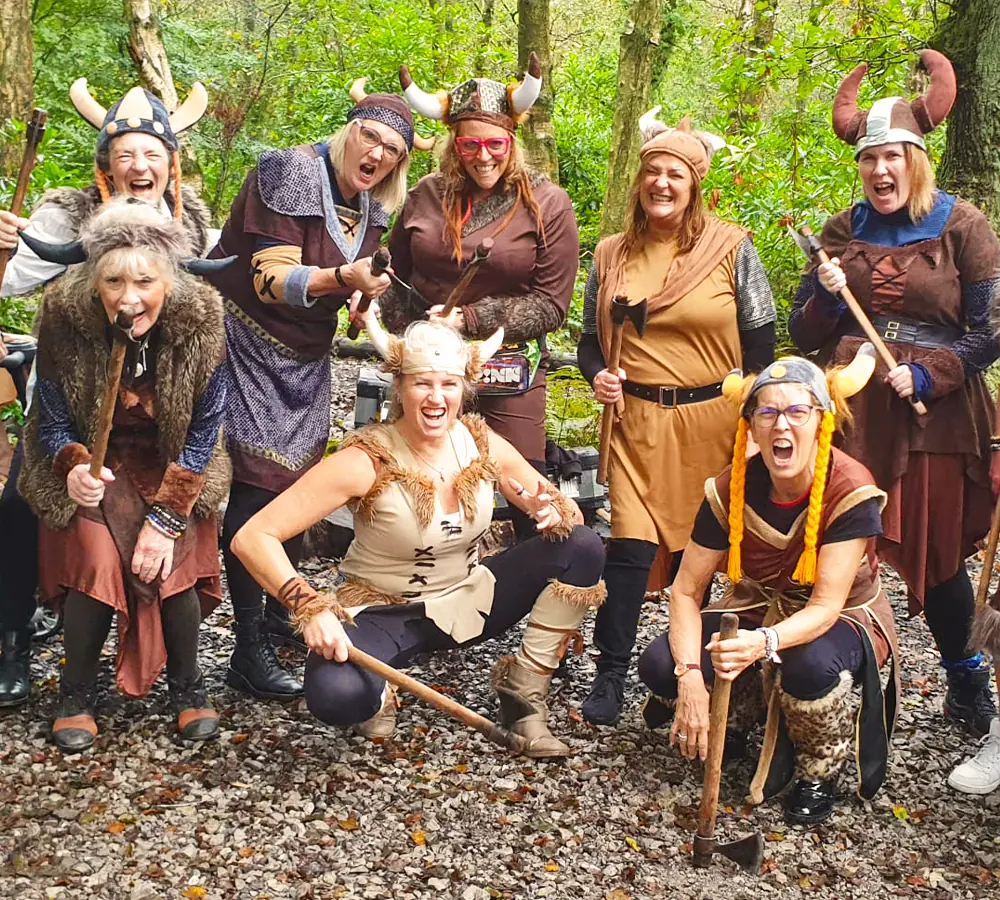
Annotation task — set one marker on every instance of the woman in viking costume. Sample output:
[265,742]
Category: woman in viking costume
[923,265]
[421,490]
[799,521]
[484,189]
[710,310]
[304,226]
[136,156]
[142,540]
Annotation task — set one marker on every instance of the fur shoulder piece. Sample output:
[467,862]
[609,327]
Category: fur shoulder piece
[289,182]
[370,439]
[196,219]
[79,203]
[479,430]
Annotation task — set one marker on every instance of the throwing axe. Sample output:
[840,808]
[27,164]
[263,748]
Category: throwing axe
[482,253]
[621,310]
[747,852]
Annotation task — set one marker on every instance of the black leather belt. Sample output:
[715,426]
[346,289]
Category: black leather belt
[900,330]
[670,397]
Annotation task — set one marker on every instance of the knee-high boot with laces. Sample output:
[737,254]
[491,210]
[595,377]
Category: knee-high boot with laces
[551,630]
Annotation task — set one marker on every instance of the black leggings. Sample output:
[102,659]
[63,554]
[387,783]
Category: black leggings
[18,553]
[87,622]
[344,694]
[808,671]
[245,500]
[949,608]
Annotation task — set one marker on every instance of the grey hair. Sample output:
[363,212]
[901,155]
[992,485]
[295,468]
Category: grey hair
[391,190]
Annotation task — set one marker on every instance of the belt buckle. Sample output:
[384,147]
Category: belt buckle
[664,392]
[891,331]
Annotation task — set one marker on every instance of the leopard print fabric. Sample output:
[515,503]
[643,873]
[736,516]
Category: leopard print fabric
[822,730]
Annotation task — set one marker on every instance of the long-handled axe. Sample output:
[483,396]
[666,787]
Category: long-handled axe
[490,730]
[380,262]
[810,245]
[986,625]
[483,251]
[747,852]
[123,325]
[35,132]
[621,310]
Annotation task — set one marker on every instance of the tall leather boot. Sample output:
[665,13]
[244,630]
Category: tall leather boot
[969,697]
[822,731]
[15,667]
[279,629]
[524,679]
[254,668]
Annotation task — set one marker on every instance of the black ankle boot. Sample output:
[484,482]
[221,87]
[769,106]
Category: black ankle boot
[15,667]
[810,802]
[74,728]
[278,628]
[969,698]
[604,703]
[254,667]
[197,720]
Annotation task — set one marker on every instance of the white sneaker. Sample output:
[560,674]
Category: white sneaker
[981,774]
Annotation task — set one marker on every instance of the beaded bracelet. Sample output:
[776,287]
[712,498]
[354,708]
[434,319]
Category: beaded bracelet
[995,443]
[168,517]
[165,530]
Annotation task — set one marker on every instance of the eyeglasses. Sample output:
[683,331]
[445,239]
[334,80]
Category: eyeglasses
[767,416]
[469,147]
[370,139]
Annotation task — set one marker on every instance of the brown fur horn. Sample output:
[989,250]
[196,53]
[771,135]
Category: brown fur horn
[933,106]
[847,118]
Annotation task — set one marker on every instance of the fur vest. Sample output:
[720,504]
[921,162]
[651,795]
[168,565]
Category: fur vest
[72,327]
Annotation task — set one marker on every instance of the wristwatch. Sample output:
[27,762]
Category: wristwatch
[681,669]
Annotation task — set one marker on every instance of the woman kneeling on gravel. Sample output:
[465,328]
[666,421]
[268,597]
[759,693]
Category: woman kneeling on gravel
[421,489]
[141,540]
[799,522]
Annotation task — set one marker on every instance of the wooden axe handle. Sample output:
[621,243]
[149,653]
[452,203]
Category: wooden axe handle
[35,131]
[107,412]
[866,326]
[490,730]
[380,262]
[718,718]
[610,411]
[983,589]
[482,254]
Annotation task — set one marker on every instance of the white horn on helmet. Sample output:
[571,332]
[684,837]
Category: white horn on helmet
[86,105]
[358,92]
[429,105]
[523,97]
[191,110]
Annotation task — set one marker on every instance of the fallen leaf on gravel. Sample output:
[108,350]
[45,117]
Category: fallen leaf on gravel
[195,892]
[116,827]
[418,838]
[413,818]
[774,837]
[917,881]
[574,714]
[900,812]
[551,866]
[617,894]
[238,738]
[350,824]
[246,852]
[632,842]
[461,770]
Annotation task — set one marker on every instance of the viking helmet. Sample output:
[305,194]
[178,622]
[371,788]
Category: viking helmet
[694,148]
[894,120]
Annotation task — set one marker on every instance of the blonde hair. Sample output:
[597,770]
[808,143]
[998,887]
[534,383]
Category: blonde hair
[391,190]
[132,263]
[637,222]
[516,176]
[922,188]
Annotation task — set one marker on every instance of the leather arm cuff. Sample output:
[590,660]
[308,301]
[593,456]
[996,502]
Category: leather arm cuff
[179,489]
[68,458]
[303,602]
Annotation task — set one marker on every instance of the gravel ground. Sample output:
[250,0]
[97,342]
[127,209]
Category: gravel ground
[283,807]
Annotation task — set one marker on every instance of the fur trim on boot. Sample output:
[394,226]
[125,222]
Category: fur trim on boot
[514,682]
[554,622]
[822,730]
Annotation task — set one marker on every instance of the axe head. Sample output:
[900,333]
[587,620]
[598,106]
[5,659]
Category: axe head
[806,240]
[483,250]
[747,852]
[621,310]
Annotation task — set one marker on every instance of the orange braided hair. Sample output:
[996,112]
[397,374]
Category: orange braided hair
[103,187]
[737,489]
[175,160]
[805,571]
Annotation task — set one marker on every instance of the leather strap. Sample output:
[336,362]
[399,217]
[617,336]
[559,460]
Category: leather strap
[901,330]
[670,397]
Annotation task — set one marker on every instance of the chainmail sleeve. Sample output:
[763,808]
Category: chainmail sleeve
[589,357]
[754,299]
[978,348]
[590,302]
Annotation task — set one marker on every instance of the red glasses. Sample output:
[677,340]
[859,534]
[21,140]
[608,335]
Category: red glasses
[469,147]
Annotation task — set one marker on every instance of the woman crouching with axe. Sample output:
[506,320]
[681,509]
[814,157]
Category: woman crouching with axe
[421,490]
[799,521]
[133,533]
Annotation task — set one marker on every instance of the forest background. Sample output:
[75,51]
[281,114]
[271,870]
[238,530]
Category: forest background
[761,73]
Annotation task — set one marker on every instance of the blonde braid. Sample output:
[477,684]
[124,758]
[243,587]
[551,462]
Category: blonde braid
[103,188]
[178,203]
[805,571]
[737,489]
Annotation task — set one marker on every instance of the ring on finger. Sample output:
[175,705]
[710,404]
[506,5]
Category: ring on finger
[681,736]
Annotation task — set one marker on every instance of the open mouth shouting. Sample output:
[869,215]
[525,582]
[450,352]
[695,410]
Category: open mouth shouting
[141,187]
[434,416]
[782,450]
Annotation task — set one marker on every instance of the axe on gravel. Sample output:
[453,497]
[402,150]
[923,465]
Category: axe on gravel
[621,310]
[490,730]
[810,245]
[482,254]
[747,852]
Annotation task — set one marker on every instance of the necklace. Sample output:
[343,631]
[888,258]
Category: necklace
[425,460]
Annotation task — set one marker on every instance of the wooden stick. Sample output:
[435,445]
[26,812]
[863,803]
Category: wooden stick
[862,319]
[380,262]
[103,434]
[610,412]
[718,719]
[482,254]
[490,730]
[35,131]
[983,590]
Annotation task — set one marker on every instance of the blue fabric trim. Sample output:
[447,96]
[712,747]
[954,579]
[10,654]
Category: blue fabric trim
[55,424]
[297,287]
[971,662]
[333,228]
[898,229]
[206,419]
[923,383]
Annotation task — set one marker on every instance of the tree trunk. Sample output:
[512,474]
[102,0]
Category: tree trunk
[16,81]
[639,46]
[487,35]
[759,17]
[970,166]
[538,133]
